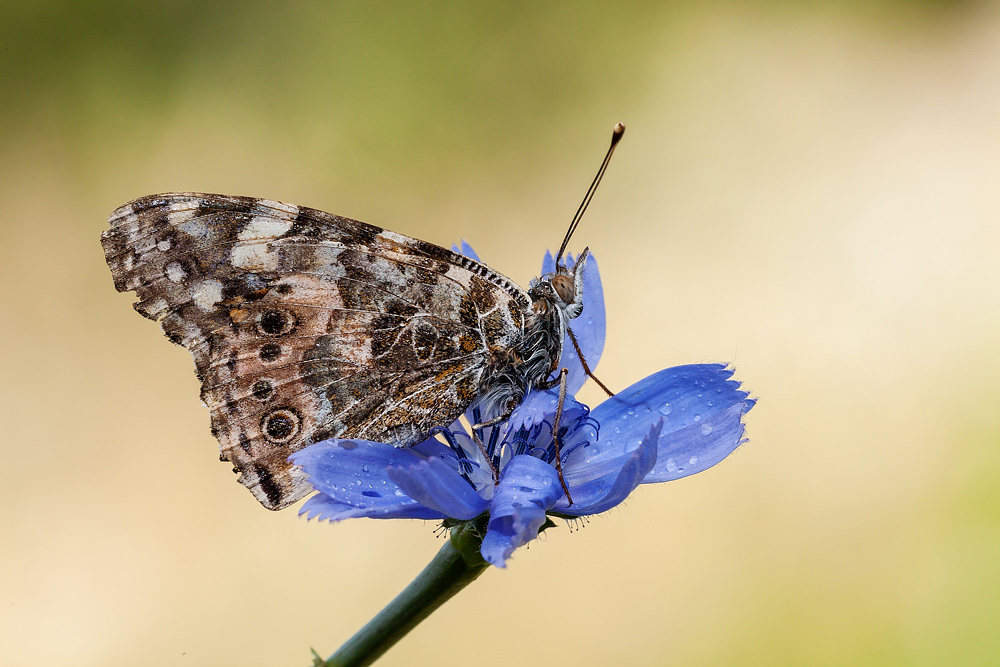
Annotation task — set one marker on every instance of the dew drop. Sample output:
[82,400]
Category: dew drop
[697,418]
[706,429]
[671,465]
[711,403]
[666,409]
[693,460]
[364,468]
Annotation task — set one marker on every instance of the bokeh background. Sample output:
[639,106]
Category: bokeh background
[810,192]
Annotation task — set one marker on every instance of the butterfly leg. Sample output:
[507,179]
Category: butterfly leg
[586,368]
[486,456]
[555,431]
[476,428]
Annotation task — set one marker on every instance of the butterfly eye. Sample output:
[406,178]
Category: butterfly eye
[280,426]
[275,322]
[564,287]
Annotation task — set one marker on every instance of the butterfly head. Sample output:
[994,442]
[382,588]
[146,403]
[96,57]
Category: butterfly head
[562,290]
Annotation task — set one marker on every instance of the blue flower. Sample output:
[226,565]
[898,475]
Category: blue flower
[672,424]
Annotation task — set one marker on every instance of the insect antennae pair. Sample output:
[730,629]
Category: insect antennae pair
[616,136]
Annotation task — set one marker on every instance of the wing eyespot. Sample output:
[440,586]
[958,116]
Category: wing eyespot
[262,390]
[275,322]
[269,352]
[280,426]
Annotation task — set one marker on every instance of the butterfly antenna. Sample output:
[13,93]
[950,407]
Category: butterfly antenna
[615,138]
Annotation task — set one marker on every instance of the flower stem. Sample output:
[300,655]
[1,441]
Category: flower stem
[457,564]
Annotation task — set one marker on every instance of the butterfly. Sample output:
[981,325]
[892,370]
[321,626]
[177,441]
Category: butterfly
[306,325]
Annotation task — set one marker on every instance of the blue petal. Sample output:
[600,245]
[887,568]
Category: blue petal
[323,507]
[466,249]
[702,411]
[548,263]
[435,484]
[353,477]
[528,488]
[592,495]
[589,329]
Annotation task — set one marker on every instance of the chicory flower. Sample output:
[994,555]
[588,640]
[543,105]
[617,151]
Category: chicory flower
[672,424]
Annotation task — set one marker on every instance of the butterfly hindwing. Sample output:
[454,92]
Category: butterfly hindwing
[305,325]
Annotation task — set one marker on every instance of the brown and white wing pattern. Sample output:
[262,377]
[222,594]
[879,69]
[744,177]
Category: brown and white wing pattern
[305,325]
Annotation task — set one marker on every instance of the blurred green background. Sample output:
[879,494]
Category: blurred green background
[808,191]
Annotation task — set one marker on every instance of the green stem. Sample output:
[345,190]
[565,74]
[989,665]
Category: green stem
[457,564]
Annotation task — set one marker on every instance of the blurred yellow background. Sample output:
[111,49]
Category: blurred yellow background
[810,192]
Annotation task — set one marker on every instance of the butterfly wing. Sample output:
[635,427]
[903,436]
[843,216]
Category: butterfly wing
[305,325]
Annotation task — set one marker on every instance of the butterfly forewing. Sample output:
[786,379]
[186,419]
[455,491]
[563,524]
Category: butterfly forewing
[306,325]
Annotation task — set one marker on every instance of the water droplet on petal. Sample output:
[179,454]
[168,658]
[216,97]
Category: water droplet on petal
[697,418]
[666,409]
[706,429]
[711,403]
[671,465]
[364,468]
[693,460]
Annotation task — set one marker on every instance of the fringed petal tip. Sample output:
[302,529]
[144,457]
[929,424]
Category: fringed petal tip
[324,508]
[703,421]
[465,249]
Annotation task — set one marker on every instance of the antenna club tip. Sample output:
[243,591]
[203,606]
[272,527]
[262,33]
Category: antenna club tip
[618,132]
